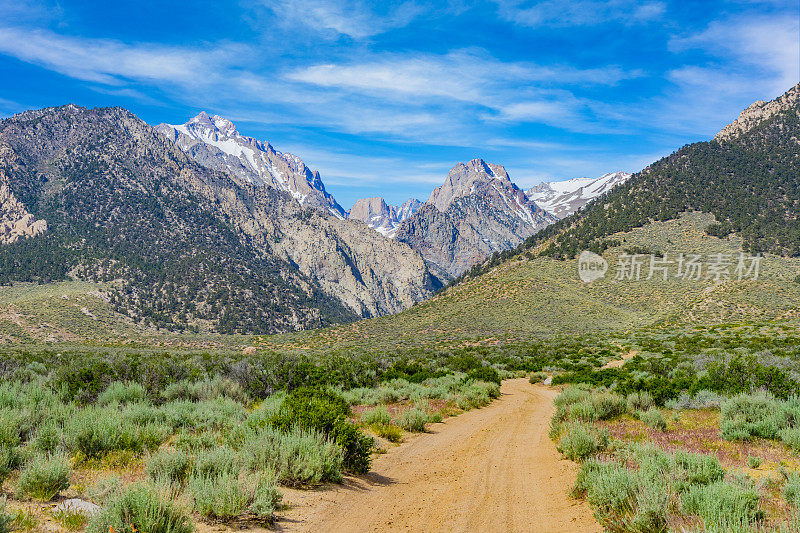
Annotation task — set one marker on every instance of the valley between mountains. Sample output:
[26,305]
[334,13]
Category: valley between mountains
[196,336]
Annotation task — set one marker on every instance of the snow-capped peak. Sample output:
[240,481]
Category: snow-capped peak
[562,198]
[214,141]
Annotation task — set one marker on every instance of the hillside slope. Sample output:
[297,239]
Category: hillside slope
[748,178]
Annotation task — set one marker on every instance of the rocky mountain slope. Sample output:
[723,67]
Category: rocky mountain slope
[478,210]
[186,246]
[757,112]
[383,218]
[214,142]
[562,198]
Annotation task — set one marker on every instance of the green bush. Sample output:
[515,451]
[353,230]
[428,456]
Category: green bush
[378,415]
[298,457]
[537,377]
[119,392]
[413,420]
[653,418]
[229,495]
[484,373]
[754,462]
[42,478]
[168,466]
[722,502]
[326,412]
[216,462]
[143,507]
[579,441]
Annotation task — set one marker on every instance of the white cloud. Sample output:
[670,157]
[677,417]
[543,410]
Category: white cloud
[111,62]
[749,51]
[354,18]
[555,13]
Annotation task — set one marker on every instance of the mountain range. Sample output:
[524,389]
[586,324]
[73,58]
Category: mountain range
[477,211]
[184,245]
[173,234]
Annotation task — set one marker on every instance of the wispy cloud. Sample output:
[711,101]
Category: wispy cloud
[354,18]
[744,52]
[113,62]
[579,12]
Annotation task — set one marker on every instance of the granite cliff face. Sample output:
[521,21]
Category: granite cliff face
[185,245]
[477,211]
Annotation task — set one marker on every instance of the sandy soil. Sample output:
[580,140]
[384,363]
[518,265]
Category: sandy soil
[491,469]
[617,363]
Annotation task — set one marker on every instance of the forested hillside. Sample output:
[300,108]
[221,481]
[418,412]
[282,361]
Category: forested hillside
[750,182]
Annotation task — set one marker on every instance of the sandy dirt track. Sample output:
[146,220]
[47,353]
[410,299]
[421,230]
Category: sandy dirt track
[490,469]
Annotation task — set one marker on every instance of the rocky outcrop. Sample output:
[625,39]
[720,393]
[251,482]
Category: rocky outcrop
[562,198]
[408,209]
[214,142]
[376,214]
[15,221]
[758,112]
[477,211]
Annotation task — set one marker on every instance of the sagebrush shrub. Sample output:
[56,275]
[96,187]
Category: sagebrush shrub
[791,437]
[9,461]
[215,462]
[43,477]
[579,441]
[326,412]
[143,507]
[413,420]
[168,465]
[722,502]
[297,457]
[229,495]
[119,392]
[653,418]
[791,490]
[377,415]
[639,401]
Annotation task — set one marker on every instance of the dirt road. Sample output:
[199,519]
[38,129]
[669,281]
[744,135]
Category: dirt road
[491,469]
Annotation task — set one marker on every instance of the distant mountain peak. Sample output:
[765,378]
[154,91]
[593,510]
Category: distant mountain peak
[215,142]
[380,216]
[562,198]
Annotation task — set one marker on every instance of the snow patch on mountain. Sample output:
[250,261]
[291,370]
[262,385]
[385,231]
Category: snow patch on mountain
[562,198]
[215,142]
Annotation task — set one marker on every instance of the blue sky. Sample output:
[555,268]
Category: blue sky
[384,97]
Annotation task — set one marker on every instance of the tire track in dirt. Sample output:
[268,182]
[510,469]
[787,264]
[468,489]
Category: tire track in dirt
[490,469]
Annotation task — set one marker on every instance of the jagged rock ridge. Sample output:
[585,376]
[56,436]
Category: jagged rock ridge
[215,143]
[758,112]
[383,218]
[477,211]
